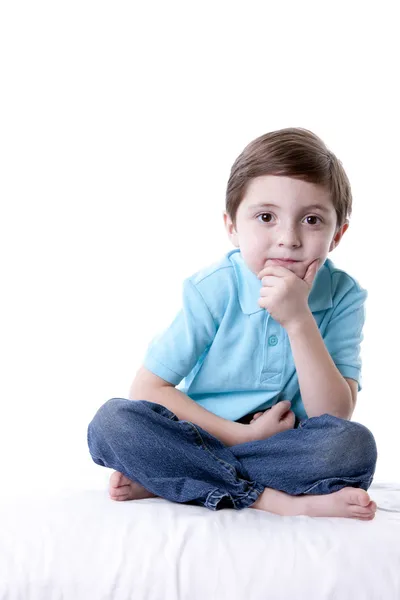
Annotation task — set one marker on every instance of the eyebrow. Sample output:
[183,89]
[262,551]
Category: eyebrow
[304,208]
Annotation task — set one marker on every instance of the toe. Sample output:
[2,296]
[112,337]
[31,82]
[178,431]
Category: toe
[361,510]
[359,497]
[366,518]
[119,498]
[116,479]
[122,490]
[117,493]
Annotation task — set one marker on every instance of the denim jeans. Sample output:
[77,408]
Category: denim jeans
[181,462]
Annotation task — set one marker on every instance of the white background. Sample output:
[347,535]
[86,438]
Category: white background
[119,124]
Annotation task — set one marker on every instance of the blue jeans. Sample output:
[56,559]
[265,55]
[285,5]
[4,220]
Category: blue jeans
[181,462]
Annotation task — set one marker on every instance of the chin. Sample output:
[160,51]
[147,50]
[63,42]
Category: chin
[297,269]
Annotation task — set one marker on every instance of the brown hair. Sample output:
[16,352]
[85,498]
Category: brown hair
[291,152]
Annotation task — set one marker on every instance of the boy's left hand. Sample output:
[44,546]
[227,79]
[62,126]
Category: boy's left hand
[285,295]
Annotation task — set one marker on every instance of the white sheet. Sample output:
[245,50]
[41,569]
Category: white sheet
[84,546]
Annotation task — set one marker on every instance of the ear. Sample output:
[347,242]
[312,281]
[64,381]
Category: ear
[338,235]
[232,233]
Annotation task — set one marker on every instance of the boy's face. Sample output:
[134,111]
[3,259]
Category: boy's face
[277,219]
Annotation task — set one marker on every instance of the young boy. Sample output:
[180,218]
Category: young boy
[266,352]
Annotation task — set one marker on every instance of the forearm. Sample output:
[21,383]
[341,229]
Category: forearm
[228,432]
[323,388]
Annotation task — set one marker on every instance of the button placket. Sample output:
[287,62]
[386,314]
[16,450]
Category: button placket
[274,352]
[272,340]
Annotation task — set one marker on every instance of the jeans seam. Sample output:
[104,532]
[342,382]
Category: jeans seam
[230,468]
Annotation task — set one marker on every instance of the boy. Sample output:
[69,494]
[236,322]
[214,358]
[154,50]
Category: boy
[266,352]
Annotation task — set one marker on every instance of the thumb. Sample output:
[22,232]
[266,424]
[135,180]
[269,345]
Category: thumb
[311,272]
[281,408]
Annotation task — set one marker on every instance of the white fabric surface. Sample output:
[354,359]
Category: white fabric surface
[84,546]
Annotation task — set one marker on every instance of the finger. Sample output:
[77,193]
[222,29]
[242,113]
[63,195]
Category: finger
[289,417]
[311,272]
[274,270]
[270,280]
[267,290]
[282,407]
[257,416]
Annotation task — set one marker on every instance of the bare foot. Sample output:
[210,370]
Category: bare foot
[350,502]
[122,488]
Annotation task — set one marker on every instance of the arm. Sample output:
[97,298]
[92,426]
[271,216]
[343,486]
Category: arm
[147,386]
[328,369]
[323,388]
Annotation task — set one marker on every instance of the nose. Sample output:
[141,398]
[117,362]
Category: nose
[289,237]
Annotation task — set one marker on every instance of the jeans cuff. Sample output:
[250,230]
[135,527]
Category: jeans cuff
[217,497]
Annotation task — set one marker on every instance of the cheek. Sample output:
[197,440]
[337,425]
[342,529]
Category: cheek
[322,243]
[254,257]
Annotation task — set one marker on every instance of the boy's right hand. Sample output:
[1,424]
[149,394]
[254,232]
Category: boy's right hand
[274,420]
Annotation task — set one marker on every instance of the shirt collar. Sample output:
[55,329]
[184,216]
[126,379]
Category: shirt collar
[249,286]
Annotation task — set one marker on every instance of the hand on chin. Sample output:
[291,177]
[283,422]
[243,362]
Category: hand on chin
[297,268]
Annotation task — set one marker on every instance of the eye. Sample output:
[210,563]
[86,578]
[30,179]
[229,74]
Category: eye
[313,217]
[266,215]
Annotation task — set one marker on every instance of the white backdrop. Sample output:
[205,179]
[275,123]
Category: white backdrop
[119,124]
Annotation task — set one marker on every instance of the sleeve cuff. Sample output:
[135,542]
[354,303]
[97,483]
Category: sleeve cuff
[153,365]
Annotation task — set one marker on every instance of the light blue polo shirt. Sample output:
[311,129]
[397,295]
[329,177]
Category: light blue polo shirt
[228,354]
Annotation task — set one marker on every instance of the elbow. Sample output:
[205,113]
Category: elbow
[340,413]
[343,409]
[145,385]
[347,405]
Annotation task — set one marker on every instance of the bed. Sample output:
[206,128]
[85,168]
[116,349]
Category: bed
[80,545]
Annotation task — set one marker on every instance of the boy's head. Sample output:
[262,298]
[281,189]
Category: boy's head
[288,197]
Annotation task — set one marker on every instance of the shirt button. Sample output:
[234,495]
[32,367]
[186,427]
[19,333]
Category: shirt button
[272,340]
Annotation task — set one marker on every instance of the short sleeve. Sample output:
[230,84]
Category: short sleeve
[344,333]
[175,352]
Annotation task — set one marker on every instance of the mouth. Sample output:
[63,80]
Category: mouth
[283,261]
